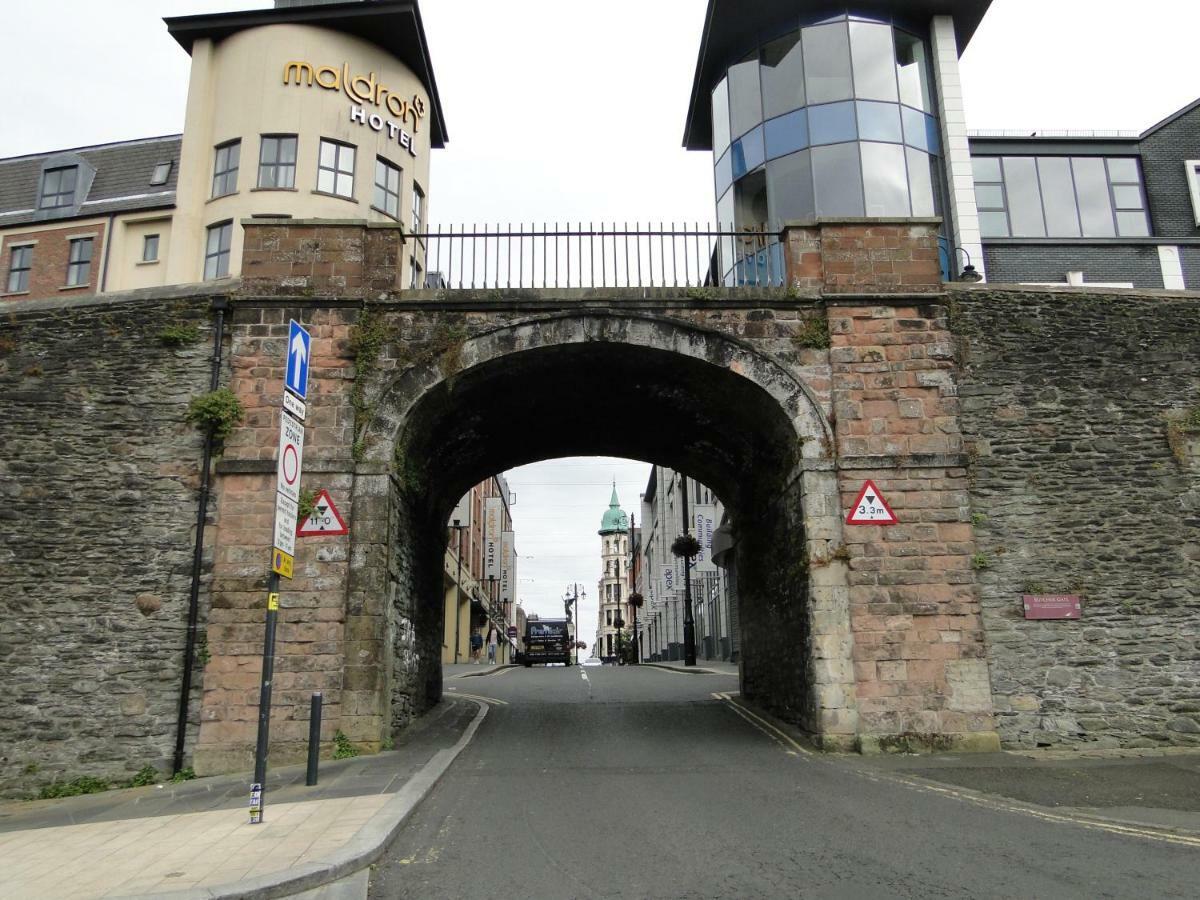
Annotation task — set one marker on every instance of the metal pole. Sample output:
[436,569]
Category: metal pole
[689,624]
[189,650]
[458,595]
[314,739]
[257,789]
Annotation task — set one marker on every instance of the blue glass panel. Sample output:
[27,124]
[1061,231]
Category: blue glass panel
[760,268]
[933,135]
[724,172]
[879,122]
[787,134]
[832,123]
[916,134]
[748,153]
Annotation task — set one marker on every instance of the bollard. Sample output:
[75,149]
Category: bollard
[314,739]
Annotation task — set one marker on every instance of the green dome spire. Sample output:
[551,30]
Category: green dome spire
[614,519]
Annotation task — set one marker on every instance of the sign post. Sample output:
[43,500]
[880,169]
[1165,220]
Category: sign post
[283,549]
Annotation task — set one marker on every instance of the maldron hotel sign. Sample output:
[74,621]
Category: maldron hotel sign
[363,90]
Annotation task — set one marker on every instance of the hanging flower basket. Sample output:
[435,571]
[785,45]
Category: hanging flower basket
[636,600]
[685,545]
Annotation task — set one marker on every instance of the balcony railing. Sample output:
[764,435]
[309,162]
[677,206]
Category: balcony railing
[607,256]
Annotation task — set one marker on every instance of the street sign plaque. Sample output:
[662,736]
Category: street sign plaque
[1052,606]
[286,513]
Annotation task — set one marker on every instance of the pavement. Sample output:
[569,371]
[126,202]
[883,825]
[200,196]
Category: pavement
[192,840]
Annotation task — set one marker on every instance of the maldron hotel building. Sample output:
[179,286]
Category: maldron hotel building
[811,110]
[308,110]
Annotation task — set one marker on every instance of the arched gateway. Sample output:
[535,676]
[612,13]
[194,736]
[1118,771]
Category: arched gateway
[861,638]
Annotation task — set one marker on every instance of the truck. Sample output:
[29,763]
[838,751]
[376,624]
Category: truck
[547,641]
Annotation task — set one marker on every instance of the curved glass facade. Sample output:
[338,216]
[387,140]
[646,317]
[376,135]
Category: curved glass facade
[831,119]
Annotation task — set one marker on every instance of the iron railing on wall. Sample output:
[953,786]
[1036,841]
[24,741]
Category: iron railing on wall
[605,256]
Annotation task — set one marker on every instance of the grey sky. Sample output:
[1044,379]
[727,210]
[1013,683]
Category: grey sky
[562,111]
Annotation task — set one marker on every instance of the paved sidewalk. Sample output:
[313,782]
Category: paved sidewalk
[194,839]
[702,667]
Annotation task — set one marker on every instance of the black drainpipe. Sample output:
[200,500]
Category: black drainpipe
[219,306]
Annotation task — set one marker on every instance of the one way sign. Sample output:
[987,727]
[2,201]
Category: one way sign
[298,347]
[870,508]
[324,519]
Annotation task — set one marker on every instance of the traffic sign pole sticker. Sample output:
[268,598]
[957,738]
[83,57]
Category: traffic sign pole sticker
[871,508]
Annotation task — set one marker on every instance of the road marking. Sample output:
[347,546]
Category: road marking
[778,735]
[458,693]
[499,672]
[1147,832]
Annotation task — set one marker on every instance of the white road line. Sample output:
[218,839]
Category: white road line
[481,699]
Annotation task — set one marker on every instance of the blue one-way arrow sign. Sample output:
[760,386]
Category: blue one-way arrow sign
[298,345]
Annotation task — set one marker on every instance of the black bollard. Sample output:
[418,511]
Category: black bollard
[314,739]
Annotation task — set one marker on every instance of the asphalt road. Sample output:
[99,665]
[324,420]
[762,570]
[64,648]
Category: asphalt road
[637,782]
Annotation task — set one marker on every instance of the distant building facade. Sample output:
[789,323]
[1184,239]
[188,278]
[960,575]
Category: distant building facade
[614,581]
[480,574]
[661,573]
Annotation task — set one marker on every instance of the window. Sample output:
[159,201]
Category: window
[418,209]
[335,169]
[1060,197]
[873,58]
[387,187]
[277,161]
[1130,207]
[225,168]
[58,188]
[79,262]
[414,280]
[608,617]
[162,171]
[18,269]
[216,252]
[1193,178]
[782,75]
[150,248]
[827,63]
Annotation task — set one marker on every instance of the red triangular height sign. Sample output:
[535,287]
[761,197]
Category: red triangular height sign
[870,508]
[324,519]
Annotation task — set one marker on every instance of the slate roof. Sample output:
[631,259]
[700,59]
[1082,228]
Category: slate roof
[122,182]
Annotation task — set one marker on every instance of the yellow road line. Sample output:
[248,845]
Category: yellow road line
[776,734]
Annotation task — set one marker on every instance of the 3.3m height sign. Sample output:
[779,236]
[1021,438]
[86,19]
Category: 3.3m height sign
[870,508]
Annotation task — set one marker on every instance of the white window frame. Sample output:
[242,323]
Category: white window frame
[339,170]
[218,256]
[79,269]
[1193,178]
[146,238]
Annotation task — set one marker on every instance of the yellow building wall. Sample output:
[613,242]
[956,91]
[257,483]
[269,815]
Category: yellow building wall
[237,91]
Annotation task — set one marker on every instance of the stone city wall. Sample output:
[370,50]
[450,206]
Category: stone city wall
[99,476]
[1079,486]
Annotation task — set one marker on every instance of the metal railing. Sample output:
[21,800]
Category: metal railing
[608,256]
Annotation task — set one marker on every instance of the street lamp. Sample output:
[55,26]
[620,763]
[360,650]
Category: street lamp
[458,591]
[572,596]
[635,602]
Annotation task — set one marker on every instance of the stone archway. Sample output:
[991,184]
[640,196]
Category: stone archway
[619,383]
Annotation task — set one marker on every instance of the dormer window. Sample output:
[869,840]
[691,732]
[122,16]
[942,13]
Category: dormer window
[162,171]
[58,188]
